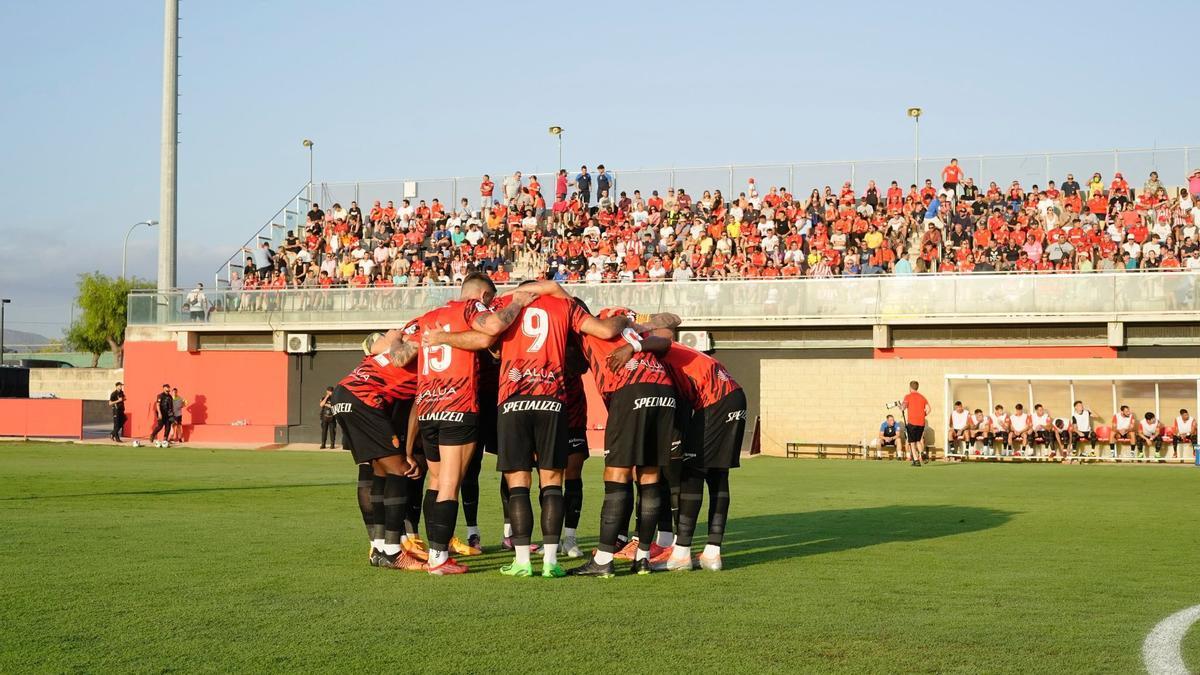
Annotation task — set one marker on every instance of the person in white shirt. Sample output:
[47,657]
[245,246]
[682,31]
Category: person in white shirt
[1122,430]
[1149,433]
[593,275]
[1001,431]
[1185,431]
[1019,426]
[981,429]
[960,428]
[1081,427]
[1042,428]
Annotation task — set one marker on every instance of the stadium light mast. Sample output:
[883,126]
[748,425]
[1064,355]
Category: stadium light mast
[915,113]
[309,144]
[557,131]
[169,160]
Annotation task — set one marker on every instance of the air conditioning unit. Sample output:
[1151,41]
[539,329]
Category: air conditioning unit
[299,343]
[699,340]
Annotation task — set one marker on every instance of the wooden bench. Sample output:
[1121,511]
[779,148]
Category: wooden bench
[821,450]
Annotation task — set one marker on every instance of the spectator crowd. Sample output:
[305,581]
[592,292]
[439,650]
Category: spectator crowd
[582,228]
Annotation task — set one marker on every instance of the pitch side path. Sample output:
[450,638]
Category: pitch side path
[122,559]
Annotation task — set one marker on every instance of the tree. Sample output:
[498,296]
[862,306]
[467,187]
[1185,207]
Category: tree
[103,302]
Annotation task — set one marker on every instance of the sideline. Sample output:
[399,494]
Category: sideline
[1161,651]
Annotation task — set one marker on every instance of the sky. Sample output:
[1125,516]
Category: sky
[392,90]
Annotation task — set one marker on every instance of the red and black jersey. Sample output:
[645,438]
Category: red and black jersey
[378,382]
[449,378]
[533,351]
[698,377]
[576,401]
[642,368]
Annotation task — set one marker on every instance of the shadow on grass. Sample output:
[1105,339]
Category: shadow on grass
[172,491]
[766,538]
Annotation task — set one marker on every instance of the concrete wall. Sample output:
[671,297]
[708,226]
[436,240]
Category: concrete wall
[89,384]
[842,400]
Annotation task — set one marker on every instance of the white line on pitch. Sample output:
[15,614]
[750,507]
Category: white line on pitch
[1161,651]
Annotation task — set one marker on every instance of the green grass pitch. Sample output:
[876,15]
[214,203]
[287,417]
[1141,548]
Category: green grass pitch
[124,559]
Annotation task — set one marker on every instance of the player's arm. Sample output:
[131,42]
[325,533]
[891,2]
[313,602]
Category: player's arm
[495,323]
[605,329]
[470,340]
[414,470]
[650,343]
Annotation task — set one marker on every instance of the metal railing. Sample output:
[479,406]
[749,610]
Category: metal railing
[859,300]
[293,214]
[1173,165]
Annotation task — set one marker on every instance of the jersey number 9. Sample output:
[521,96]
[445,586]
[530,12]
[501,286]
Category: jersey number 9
[535,324]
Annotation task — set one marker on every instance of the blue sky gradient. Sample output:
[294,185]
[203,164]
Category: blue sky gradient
[391,90]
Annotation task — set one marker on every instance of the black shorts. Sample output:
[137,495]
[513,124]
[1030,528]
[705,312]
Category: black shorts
[577,441]
[400,412]
[366,430]
[486,423]
[714,434]
[446,428]
[888,441]
[641,426]
[531,432]
[914,432]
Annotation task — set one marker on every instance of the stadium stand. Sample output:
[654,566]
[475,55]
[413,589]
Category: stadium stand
[592,236]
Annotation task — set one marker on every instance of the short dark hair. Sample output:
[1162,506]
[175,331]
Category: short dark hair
[475,278]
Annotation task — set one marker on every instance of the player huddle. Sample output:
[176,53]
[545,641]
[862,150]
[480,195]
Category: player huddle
[503,374]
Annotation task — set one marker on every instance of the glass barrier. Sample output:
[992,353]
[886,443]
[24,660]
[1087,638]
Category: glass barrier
[879,299]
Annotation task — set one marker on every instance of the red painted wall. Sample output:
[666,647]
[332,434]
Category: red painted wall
[220,387]
[1085,352]
[41,417]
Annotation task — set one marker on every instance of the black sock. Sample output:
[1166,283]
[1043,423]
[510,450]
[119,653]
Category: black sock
[377,484]
[470,489]
[691,495]
[365,481]
[649,504]
[627,505]
[440,518]
[520,512]
[413,517]
[504,499]
[572,502]
[667,507]
[551,499]
[427,503]
[395,506]
[718,504]
[613,514]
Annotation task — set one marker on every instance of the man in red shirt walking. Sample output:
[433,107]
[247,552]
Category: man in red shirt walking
[915,407]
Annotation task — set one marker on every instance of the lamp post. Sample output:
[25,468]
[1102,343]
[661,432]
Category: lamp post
[557,131]
[125,248]
[3,302]
[309,144]
[915,113]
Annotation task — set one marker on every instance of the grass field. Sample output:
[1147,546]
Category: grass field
[119,559]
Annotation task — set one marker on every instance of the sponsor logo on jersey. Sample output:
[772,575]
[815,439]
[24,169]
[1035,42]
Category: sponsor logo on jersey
[339,408]
[540,406]
[447,416]
[437,394]
[533,374]
[654,402]
[633,364]
[735,415]
[722,375]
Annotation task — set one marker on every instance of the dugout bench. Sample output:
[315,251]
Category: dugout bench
[821,450]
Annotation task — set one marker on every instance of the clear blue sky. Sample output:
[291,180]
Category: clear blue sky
[392,90]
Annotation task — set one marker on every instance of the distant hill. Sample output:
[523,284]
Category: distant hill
[20,337]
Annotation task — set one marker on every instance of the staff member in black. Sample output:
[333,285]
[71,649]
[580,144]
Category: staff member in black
[164,414]
[116,400]
[328,425]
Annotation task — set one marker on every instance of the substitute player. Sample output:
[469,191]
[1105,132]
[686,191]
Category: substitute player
[362,404]
[641,405]
[531,428]
[712,442]
[447,406]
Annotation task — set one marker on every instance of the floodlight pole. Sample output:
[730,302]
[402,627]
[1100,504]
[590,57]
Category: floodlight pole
[169,161]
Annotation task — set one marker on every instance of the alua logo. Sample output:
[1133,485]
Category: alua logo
[722,375]
[654,402]
[737,415]
[516,375]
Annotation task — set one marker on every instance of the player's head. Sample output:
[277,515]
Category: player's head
[1079,406]
[166,388]
[1037,408]
[478,286]
[890,419]
[914,385]
[1019,407]
[999,408]
[1182,411]
[1124,410]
